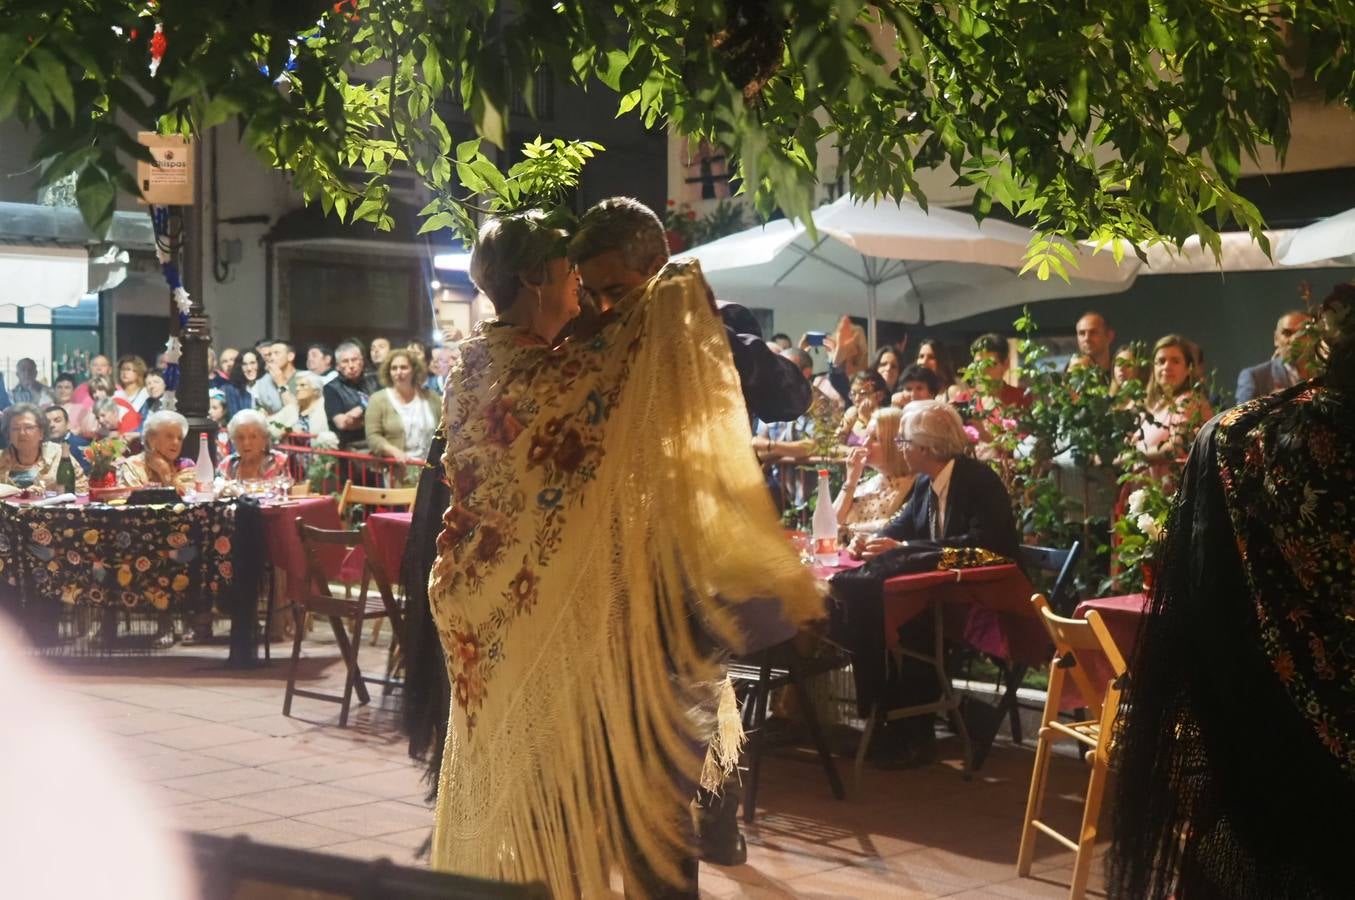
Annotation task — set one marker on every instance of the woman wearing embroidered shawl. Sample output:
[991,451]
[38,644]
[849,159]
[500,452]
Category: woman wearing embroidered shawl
[603,497]
[1237,758]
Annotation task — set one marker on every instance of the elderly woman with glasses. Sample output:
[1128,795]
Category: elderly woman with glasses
[30,461]
[253,459]
[159,465]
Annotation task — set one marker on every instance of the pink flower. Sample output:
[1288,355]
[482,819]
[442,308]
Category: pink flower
[973,434]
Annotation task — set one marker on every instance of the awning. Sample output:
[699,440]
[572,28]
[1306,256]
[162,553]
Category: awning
[49,257]
[44,276]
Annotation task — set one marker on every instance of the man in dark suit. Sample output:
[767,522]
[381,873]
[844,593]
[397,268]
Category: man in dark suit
[1278,372]
[59,432]
[956,501]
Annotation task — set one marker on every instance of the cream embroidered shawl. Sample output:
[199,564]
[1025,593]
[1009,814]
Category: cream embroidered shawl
[597,488]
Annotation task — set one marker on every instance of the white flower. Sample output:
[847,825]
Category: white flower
[1149,526]
[327,441]
[1136,501]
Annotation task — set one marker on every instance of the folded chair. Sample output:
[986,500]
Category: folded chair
[316,544]
[1082,648]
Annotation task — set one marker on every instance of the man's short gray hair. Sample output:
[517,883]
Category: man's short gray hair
[509,248]
[246,418]
[346,346]
[625,225]
[935,426]
[163,418]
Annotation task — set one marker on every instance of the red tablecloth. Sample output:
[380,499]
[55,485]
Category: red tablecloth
[1122,616]
[986,607]
[284,545]
[389,531]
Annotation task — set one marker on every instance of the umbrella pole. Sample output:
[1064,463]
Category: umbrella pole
[871,316]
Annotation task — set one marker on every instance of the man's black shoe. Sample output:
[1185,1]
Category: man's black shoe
[717,825]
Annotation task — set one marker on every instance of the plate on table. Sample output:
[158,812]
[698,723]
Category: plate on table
[108,494]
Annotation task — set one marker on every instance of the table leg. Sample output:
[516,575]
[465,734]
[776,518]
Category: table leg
[951,702]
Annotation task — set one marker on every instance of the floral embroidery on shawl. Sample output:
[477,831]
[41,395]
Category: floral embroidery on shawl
[1289,475]
[603,503]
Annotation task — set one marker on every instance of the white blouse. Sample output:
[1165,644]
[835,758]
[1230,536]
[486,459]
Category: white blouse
[417,421]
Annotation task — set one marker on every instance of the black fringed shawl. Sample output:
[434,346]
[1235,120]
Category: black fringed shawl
[1236,755]
[427,691]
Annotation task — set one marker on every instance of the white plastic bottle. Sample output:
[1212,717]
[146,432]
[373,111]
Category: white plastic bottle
[825,524]
[206,473]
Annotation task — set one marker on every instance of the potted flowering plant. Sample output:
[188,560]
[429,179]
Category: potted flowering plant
[1140,531]
[103,456]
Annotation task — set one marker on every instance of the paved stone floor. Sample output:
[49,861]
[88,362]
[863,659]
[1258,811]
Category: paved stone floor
[213,749]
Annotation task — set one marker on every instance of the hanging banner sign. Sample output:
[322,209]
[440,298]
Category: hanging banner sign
[169,182]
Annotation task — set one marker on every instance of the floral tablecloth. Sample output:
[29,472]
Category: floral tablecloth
[172,557]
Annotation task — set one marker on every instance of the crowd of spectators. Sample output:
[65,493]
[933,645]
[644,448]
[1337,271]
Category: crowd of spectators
[384,400]
[857,399]
[381,400]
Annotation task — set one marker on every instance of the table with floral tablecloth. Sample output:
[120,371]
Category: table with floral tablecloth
[174,558]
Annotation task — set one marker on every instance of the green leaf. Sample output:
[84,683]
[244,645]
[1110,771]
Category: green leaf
[37,91]
[58,82]
[1077,97]
[96,197]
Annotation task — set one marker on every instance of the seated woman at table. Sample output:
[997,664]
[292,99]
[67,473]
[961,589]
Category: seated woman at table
[159,464]
[866,507]
[253,459]
[30,461]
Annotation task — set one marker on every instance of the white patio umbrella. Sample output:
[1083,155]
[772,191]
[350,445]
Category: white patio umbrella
[1330,238]
[885,258]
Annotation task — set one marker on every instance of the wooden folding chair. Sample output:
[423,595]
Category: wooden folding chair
[375,570]
[1076,642]
[316,545]
[355,495]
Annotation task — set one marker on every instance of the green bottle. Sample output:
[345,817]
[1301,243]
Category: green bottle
[65,470]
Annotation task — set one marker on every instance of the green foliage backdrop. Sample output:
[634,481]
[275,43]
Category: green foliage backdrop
[1106,119]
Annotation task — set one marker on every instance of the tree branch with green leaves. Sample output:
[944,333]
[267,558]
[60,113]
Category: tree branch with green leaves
[1119,121]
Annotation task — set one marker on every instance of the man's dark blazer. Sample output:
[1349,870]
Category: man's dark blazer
[1267,378]
[978,511]
[774,388]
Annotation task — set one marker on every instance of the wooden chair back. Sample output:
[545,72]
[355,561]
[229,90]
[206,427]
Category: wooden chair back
[389,498]
[324,550]
[1075,640]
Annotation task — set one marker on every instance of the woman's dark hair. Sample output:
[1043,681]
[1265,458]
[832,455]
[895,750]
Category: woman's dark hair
[238,370]
[872,379]
[880,357]
[944,371]
[989,343]
[922,374]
